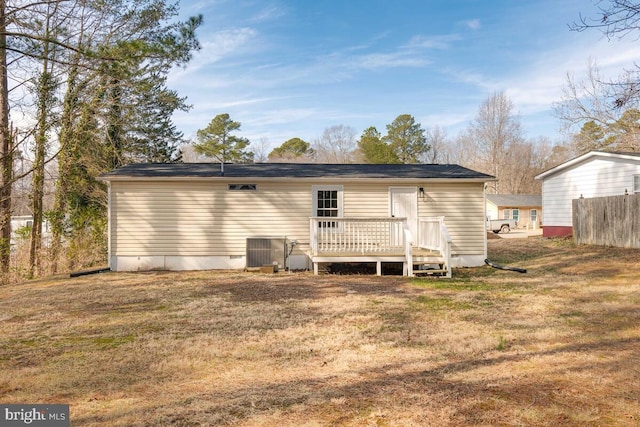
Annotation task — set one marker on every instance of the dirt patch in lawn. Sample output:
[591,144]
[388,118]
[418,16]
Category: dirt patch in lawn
[559,345]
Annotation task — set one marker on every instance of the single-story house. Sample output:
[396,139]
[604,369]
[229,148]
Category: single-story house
[187,216]
[594,174]
[526,209]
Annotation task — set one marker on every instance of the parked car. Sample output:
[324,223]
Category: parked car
[501,225]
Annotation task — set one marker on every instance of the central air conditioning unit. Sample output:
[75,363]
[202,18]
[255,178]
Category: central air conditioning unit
[262,251]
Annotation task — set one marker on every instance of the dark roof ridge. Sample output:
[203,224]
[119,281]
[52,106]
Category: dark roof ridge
[292,170]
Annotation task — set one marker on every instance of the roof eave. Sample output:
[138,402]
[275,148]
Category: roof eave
[582,158]
[281,179]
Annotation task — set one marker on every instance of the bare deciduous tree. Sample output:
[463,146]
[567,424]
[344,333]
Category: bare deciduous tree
[437,139]
[617,19]
[589,99]
[261,150]
[590,103]
[461,150]
[493,132]
[336,145]
[526,160]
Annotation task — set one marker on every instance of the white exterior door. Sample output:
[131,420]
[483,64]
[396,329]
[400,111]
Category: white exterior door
[403,203]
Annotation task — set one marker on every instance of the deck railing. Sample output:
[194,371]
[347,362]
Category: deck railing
[408,251]
[434,235]
[379,237]
[364,236]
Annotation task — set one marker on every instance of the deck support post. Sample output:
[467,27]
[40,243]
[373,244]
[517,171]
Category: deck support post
[378,268]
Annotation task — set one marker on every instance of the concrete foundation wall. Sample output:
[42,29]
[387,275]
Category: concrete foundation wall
[182,263]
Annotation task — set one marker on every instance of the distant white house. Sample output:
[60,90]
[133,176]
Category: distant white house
[595,174]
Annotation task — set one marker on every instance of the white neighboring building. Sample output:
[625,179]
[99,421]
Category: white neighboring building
[595,174]
[20,221]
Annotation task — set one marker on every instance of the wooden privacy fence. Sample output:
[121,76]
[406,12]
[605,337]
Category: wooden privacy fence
[608,221]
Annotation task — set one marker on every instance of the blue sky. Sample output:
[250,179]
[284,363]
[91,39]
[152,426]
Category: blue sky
[286,68]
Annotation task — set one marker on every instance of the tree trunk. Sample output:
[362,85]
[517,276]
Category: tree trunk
[6,151]
[65,157]
[45,93]
[37,181]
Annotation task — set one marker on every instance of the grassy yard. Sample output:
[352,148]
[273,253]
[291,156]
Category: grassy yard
[558,346]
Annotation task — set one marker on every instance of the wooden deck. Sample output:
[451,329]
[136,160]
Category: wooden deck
[380,240]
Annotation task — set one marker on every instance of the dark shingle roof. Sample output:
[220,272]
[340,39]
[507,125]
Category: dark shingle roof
[515,199]
[292,170]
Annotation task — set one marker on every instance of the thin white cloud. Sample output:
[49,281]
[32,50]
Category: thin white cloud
[216,47]
[408,55]
[470,77]
[239,61]
[472,24]
[224,42]
[269,13]
[433,42]
[536,85]
[447,119]
[537,89]
[224,105]
[338,66]
[280,124]
[283,116]
[369,43]
[388,60]
[609,57]
[201,5]
[334,67]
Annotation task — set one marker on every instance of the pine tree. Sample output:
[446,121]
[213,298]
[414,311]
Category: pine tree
[407,139]
[218,142]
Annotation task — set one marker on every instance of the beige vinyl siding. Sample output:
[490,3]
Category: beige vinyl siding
[463,206]
[366,200]
[203,218]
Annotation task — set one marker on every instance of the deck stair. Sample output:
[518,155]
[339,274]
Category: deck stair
[433,248]
[428,263]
